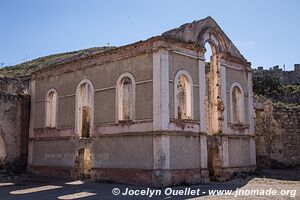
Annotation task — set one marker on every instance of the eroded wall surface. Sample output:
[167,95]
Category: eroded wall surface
[14,115]
[18,85]
[277,130]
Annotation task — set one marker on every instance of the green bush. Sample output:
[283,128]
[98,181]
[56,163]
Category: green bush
[266,85]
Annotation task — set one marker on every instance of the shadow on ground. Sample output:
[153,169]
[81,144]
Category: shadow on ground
[26,187]
[292,174]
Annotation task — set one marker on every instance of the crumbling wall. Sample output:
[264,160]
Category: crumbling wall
[277,131]
[14,115]
[18,85]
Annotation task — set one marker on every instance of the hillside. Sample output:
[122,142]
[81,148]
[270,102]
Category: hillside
[28,67]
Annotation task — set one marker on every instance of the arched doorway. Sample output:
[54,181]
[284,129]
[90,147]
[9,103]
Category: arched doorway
[213,102]
[2,152]
[83,164]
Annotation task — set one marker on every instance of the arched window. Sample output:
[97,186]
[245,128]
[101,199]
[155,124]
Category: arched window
[84,108]
[51,108]
[125,97]
[183,95]
[237,104]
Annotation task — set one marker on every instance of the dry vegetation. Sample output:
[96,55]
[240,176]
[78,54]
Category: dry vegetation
[28,67]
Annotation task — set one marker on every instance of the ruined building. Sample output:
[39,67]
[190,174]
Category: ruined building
[147,113]
[14,123]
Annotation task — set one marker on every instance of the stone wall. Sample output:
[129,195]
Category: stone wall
[18,85]
[14,115]
[277,135]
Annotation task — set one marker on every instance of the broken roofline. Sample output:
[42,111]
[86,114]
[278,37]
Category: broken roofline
[195,31]
[168,37]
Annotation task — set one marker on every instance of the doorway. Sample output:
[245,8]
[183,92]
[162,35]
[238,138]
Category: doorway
[212,156]
[83,164]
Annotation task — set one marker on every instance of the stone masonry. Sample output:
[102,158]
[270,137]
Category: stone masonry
[14,126]
[277,131]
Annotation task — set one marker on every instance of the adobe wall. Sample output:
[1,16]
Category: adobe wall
[277,130]
[14,115]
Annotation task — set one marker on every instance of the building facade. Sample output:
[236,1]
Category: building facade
[147,113]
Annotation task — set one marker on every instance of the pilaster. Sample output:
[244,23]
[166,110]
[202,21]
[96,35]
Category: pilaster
[161,143]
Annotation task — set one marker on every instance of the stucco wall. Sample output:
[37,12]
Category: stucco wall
[105,106]
[185,152]
[127,152]
[54,153]
[239,152]
[114,152]
[104,79]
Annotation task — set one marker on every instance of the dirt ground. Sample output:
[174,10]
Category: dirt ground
[26,187]
[286,181]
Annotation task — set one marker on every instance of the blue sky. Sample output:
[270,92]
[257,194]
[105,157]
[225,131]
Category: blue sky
[266,32]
